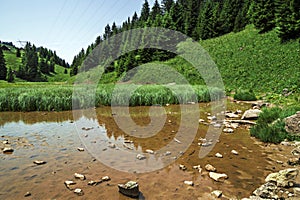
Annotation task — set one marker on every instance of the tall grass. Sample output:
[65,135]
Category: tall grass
[270,125]
[59,97]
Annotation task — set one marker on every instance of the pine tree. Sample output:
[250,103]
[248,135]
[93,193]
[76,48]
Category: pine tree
[228,15]
[205,27]
[18,53]
[167,5]
[10,75]
[263,16]
[3,69]
[145,13]
[177,15]
[155,11]
[288,19]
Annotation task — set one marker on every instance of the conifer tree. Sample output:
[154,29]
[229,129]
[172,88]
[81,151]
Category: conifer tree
[3,69]
[145,13]
[167,5]
[263,16]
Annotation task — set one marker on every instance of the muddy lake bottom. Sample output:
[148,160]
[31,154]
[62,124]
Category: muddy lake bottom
[110,149]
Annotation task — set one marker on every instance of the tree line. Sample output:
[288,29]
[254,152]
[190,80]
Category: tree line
[200,20]
[36,63]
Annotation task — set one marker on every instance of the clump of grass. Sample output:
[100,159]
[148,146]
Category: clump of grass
[244,95]
[49,97]
[270,125]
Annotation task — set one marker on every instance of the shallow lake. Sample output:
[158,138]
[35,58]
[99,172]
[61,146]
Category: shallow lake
[110,149]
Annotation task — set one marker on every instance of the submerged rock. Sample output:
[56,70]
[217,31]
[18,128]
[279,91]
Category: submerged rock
[130,189]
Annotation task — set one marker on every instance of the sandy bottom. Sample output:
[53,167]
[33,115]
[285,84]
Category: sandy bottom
[55,137]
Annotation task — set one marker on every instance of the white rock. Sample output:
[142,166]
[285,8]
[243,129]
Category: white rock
[176,140]
[70,183]
[78,191]
[217,176]
[228,130]
[217,193]
[201,120]
[105,178]
[80,149]
[79,176]
[283,178]
[190,183]
[231,115]
[168,153]
[8,150]
[251,114]
[182,167]
[218,155]
[39,162]
[149,151]
[235,152]
[210,168]
[140,157]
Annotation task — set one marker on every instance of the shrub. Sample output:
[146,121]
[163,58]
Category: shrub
[244,95]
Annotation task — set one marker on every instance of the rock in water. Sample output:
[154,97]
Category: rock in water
[182,167]
[218,155]
[8,150]
[228,130]
[283,178]
[190,183]
[105,178]
[80,149]
[39,162]
[217,176]
[130,189]
[27,194]
[235,152]
[251,114]
[210,168]
[140,157]
[78,191]
[79,176]
[69,183]
[217,193]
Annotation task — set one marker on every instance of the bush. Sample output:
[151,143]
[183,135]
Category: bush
[270,125]
[245,95]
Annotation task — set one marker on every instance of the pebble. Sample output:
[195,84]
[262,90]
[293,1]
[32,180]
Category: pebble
[78,191]
[235,152]
[182,167]
[176,140]
[79,176]
[149,151]
[27,194]
[210,168]
[105,178]
[217,193]
[218,155]
[39,162]
[140,157]
[228,130]
[168,153]
[190,183]
[80,149]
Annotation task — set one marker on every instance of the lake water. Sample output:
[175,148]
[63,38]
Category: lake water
[111,151]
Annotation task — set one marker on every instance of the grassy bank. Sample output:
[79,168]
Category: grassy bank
[271,125]
[50,97]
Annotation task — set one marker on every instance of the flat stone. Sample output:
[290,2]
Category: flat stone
[149,151]
[130,189]
[217,176]
[251,114]
[231,115]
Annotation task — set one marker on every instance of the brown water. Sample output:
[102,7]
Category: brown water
[54,138]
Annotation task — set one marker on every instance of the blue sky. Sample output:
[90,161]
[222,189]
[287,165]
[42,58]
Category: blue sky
[65,26]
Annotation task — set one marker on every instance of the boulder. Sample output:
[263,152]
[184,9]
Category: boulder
[266,191]
[283,178]
[292,124]
[217,176]
[251,114]
[130,189]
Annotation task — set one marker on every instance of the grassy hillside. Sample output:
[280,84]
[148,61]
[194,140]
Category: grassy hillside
[14,62]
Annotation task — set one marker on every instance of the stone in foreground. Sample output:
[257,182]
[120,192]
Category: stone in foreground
[130,189]
[251,114]
[283,178]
